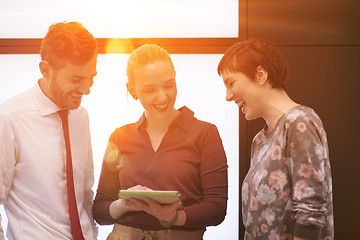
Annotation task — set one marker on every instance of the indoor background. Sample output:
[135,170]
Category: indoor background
[321,40]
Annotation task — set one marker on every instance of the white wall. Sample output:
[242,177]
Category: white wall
[122,18]
[109,106]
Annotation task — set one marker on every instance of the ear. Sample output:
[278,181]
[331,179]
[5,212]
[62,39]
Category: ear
[131,90]
[45,69]
[262,75]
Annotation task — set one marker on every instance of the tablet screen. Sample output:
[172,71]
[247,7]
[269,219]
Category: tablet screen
[162,197]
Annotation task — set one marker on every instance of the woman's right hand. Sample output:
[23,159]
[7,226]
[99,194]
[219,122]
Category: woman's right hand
[119,207]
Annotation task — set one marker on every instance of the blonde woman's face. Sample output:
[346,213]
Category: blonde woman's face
[155,86]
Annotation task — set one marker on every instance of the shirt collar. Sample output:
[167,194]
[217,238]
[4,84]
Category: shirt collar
[141,121]
[45,105]
[183,120]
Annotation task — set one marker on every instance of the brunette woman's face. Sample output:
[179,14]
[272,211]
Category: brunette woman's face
[244,92]
[155,87]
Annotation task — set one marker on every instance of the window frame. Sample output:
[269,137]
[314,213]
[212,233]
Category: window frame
[126,45]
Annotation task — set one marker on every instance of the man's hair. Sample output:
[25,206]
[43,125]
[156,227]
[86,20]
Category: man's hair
[68,42]
[247,55]
[147,53]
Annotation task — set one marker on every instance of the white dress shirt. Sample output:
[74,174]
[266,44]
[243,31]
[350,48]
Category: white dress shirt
[32,168]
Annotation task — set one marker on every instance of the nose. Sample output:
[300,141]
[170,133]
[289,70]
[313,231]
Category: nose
[85,86]
[229,95]
[162,95]
[84,91]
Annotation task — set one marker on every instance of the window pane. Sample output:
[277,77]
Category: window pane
[123,19]
[109,106]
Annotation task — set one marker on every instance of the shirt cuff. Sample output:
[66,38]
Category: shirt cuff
[307,231]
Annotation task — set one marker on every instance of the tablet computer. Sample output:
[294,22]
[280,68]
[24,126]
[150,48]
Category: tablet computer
[162,197]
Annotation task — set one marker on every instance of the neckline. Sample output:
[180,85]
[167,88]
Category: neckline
[281,119]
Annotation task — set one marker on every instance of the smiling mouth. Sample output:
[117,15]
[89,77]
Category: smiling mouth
[240,103]
[161,106]
[77,95]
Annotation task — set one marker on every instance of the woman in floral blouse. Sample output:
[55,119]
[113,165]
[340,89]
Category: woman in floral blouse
[287,192]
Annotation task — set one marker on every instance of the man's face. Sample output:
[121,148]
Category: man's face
[68,84]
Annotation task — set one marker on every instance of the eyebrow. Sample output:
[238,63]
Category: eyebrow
[153,85]
[82,77]
[226,81]
[170,80]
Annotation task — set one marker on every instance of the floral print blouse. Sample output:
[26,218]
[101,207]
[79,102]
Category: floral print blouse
[287,191]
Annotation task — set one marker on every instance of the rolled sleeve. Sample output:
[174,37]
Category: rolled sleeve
[310,175]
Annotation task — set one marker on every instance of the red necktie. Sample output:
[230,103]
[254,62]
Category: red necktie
[73,212]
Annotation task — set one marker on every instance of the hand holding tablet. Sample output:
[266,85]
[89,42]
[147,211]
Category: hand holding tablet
[162,197]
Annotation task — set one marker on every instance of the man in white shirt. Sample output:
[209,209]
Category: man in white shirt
[34,181]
